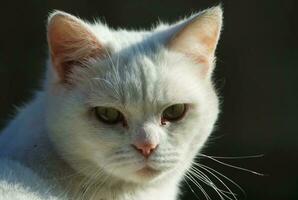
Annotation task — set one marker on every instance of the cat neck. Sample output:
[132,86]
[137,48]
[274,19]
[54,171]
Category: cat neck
[26,140]
[106,188]
[26,131]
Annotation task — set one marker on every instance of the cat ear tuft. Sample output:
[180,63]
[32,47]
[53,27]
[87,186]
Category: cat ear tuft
[71,41]
[199,35]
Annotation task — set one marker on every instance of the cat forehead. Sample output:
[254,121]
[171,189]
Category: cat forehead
[151,77]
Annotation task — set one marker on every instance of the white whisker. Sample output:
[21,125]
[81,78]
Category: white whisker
[236,157]
[220,192]
[196,183]
[220,174]
[232,166]
[229,191]
[191,188]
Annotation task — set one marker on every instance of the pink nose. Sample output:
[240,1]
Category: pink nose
[146,149]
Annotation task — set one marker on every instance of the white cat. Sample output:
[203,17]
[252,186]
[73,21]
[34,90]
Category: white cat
[122,113]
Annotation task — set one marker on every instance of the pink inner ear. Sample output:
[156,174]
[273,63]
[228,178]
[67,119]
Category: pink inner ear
[198,37]
[71,43]
[203,61]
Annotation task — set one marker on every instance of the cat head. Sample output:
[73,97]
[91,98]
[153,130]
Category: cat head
[133,105]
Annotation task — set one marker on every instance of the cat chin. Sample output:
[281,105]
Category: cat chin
[147,174]
[143,175]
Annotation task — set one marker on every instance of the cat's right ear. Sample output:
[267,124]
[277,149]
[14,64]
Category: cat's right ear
[71,42]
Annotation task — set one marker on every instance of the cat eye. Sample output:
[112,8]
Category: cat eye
[109,115]
[173,113]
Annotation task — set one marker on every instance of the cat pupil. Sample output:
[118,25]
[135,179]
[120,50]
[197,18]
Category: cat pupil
[111,114]
[174,112]
[108,115]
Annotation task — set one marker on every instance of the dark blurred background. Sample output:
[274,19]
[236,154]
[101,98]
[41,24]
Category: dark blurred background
[256,75]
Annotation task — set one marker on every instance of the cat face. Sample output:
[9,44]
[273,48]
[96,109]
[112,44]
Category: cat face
[134,106]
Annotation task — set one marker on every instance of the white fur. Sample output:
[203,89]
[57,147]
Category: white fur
[58,137]
[18,182]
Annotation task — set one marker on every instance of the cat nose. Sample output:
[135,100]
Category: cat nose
[146,140]
[144,148]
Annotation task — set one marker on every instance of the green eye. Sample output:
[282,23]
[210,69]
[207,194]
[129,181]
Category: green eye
[108,115]
[173,113]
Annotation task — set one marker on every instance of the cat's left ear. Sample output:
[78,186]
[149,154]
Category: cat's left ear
[197,37]
[71,42]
